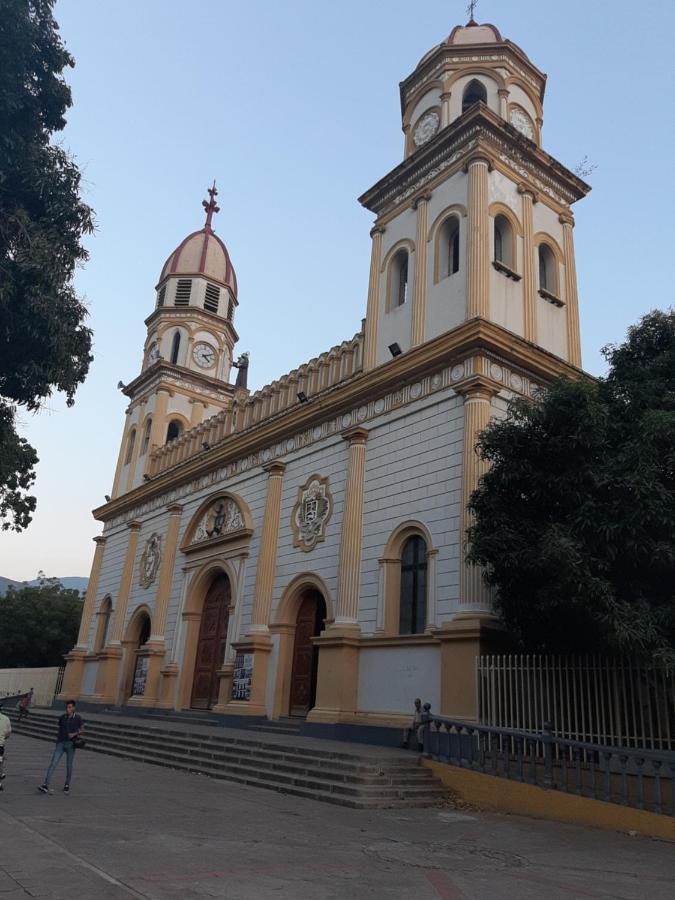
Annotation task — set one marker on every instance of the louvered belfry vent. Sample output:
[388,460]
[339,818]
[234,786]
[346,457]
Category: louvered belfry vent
[183,290]
[212,297]
[230,310]
[161,294]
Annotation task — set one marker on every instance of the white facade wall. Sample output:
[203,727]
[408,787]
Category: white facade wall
[390,678]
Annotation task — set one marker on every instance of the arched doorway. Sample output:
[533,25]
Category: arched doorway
[141,659]
[211,643]
[308,624]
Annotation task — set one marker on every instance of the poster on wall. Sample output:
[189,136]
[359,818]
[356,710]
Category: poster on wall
[242,676]
[140,676]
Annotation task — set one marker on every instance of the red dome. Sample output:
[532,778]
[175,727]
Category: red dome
[202,253]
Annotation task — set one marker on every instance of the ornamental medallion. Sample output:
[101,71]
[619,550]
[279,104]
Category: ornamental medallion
[150,560]
[311,513]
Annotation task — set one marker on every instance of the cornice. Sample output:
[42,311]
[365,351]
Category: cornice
[471,336]
[193,312]
[478,130]
[164,375]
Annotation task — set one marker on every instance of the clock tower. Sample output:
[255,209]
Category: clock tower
[187,357]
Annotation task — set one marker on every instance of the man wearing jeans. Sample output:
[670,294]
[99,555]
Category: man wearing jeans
[70,725]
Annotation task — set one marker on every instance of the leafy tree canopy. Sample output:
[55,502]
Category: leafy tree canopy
[575,519]
[38,625]
[44,343]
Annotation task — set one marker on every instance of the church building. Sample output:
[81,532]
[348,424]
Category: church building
[299,551]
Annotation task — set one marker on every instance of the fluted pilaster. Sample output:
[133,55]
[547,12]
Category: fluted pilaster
[90,596]
[349,566]
[267,555]
[571,296]
[125,585]
[420,293]
[477,410]
[529,275]
[478,250]
[370,337]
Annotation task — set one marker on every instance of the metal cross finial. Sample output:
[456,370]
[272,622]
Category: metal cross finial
[471,9]
[210,205]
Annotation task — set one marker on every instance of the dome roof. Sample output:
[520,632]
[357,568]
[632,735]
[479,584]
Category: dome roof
[203,253]
[473,33]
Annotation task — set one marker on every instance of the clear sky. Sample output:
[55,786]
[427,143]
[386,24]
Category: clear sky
[294,108]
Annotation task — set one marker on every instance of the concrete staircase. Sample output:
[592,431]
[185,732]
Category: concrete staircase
[362,777]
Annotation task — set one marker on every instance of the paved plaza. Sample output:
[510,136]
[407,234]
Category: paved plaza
[134,830]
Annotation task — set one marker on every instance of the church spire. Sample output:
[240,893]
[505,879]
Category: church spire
[210,205]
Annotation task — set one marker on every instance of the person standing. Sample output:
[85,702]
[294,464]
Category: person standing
[70,727]
[23,705]
[5,731]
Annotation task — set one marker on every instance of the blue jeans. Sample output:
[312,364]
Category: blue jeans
[61,748]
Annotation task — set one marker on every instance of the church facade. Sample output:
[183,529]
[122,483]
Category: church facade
[299,551]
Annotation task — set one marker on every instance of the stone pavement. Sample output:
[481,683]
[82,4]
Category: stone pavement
[130,830]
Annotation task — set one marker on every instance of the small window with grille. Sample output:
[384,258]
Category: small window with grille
[211,298]
[161,294]
[183,290]
[230,310]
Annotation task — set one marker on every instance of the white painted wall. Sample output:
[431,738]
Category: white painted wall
[390,678]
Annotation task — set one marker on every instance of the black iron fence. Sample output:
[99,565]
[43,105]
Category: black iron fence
[637,778]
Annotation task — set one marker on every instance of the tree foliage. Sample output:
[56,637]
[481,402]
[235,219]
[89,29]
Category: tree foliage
[38,625]
[44,344]
[575,519]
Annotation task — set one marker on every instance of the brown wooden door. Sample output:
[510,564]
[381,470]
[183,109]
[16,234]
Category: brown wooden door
[211,644]
[308,624]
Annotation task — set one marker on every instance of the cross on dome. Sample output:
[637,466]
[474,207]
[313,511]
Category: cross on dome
[471,8]
[210,205]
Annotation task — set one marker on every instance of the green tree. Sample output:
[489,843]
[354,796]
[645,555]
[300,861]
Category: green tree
[44,343]
[575,519]
[38,625]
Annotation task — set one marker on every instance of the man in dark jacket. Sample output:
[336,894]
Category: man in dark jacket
[70,726]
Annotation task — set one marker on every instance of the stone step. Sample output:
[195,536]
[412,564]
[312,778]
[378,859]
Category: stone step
[372,774]
[275,729]
[345,778]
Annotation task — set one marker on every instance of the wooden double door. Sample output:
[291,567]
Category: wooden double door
[309,622]
[211,644]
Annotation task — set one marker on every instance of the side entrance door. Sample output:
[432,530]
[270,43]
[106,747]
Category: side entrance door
[308,624]
[211,644]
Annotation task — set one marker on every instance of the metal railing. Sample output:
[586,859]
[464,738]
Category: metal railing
[637,778]
[585,698]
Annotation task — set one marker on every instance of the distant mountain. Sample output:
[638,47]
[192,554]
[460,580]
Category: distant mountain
[75,582]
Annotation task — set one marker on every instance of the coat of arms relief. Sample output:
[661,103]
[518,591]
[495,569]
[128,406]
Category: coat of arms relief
[222,517]
[311,513]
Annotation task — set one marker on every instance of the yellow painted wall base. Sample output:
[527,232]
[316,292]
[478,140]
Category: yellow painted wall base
[501,795]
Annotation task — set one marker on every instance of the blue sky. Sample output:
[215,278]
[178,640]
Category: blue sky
[294,108]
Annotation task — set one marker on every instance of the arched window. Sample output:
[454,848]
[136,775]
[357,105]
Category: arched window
[399,279]
[174,430]
[504,242]
[548,280]
[448,247]
[146,437]
[413,605]
[175,347]
[104,613]
[130,446]
[474,92]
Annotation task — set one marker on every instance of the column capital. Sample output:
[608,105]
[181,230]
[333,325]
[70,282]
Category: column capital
[175,509]
[99,540]
[134,526]
[276,468]
[477,387]
[377,229]
[477,157]
[355,435]
[446,94]
[420,198]
[527,191]
[503,92]
[566,218]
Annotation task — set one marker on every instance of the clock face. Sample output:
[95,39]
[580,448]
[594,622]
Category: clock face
[426,128]
[204,355]
[522,122]
[153,352]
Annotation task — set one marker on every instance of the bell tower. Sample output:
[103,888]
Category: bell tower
[188,352]
[476,221]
